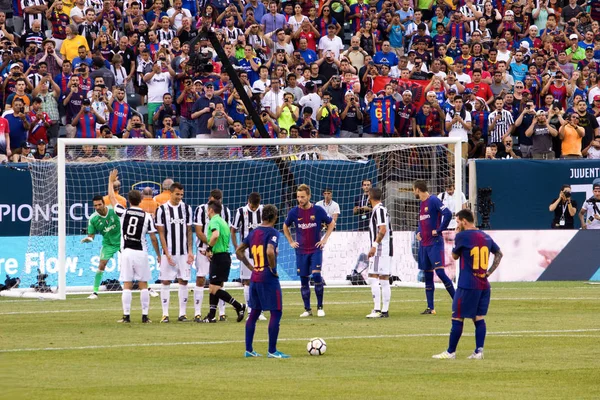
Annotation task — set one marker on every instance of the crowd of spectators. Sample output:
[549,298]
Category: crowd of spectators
[510,78]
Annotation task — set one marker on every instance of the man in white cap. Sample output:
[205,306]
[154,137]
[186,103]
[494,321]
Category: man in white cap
[575,52]
[532,38]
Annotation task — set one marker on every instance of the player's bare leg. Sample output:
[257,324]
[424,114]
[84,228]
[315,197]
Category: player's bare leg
[375,291]
[165,299]
[199,298]
[98,279]
[183,299]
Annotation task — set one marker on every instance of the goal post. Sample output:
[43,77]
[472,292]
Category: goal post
[271,167]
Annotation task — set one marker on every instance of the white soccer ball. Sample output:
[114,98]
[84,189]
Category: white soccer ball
[316,347]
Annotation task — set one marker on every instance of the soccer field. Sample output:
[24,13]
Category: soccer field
[542,342]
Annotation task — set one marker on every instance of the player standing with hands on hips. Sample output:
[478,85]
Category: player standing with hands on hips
[309,246]
[265,290]
[380,255]
[472,298]
[434,218]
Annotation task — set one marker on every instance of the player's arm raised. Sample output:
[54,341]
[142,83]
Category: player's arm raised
[112,178]
[240,253]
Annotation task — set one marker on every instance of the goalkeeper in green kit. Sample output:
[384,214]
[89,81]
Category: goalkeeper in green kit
[104,221]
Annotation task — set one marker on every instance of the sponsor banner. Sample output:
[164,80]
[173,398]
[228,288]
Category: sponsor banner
[528,256]
[522,190]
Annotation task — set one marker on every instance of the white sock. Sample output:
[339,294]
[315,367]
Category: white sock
[165,297]
[247,296]
[145,300]
[386,293]
[221,307]
[376,294]
[198,298]
[183,298]
[126,298]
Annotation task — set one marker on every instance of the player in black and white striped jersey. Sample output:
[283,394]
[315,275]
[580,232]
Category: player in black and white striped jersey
[174,223]
[201,220]
[380,255]
[135,224]
[472,13]
[500,122]
[246,219]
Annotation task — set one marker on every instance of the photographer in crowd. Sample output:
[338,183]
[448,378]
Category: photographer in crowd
[564,209]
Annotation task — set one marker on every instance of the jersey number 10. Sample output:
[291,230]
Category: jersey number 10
[481,257]
[258,255]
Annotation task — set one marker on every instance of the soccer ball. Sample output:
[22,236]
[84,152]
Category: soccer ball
[316,347]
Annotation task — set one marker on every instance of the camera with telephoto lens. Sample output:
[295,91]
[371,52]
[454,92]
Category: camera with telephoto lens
[567,194]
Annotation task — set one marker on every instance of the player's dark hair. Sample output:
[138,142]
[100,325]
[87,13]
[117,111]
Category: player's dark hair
[565,187]
[216,206]
[327,190]
[365,180]
[134,197]
[176,186]
[421,185]
[254,198]
[98,197]
[375,193]
[216,194]
[269,213]
[467,215]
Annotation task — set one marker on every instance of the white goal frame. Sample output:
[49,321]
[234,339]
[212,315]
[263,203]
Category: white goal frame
[64,143]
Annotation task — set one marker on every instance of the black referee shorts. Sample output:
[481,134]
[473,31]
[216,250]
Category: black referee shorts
[220,265]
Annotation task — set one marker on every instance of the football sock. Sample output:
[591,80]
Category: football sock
[274,329]
[441,273]
[247,296]
[98,280]
[250,327]
[126,299]
[480,331]
[376,294]
[183,298]
[318,279]
[305,291]
[429,288]
[221,307]
[198,298]
[213,301]
[386,293]
[455,334]
[165,297]
[226,297]
[145,301]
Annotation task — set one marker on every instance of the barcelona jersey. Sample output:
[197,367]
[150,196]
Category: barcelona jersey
[474,248]
[433,215]
[308,227]
[383,110]
[258,240]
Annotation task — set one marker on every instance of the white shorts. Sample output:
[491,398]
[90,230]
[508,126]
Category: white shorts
[134,266]
[245,273]
[181,270]
[380,265]
[202,265]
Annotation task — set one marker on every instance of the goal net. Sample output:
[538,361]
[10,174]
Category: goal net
[59,263]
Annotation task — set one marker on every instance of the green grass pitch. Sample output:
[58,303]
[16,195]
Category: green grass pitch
[543,343]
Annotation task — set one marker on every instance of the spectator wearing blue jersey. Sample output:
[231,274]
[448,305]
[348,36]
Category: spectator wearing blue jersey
[518,69]
[386,55]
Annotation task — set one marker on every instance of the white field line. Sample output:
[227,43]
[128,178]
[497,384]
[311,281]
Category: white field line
[544,333]
[334,303]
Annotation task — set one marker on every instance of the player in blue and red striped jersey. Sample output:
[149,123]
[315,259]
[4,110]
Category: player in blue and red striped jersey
[168,132]
[85,121]
[120,112]
[434,218]
[265,290]
[383,112]
[309,245]
[472,299]
[458,28]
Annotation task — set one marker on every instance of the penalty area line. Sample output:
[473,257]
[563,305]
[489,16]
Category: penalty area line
[541,333]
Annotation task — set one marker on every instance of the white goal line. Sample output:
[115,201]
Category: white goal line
[540,333]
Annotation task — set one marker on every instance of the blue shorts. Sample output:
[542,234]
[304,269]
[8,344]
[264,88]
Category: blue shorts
[469,303]
[307,263]
[265,296]
[431,257]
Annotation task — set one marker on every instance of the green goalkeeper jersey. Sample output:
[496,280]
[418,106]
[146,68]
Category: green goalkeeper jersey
[109,226]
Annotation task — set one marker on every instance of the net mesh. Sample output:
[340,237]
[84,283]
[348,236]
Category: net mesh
[272,171]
